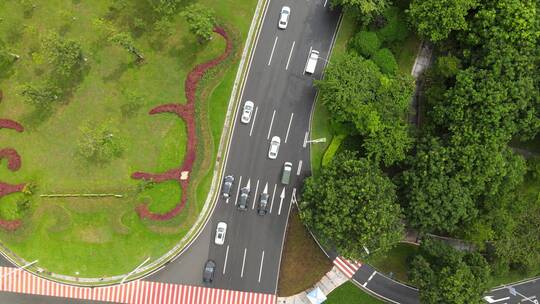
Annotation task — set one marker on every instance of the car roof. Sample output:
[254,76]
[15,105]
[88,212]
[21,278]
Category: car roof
[222,224]
[249,102]
[286,8]
[276,138]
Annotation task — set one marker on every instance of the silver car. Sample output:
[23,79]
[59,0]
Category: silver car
[274,147]
[228,182]
[246,113]
[243,201]
[262,209]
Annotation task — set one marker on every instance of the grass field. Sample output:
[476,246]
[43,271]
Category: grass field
[348,293]
[396,261]
[303,263]
[102,237]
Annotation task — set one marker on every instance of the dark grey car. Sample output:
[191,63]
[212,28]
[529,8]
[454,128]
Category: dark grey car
[228,182]
[244,196]
[208,272]
[262,209]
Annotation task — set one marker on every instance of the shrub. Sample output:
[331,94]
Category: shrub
[366,43]
[386,61]
[13,206]
[201,21]
[99,143]
[395,28]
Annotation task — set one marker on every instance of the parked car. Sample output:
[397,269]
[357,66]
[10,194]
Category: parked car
[246,113]
[228,182]
[221,230]
[208,272]
[243,201]
[312,62]
[286,174]
[262,208]
[274,147]
[284,17]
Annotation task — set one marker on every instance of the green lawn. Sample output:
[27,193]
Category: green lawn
[348,293]
[395,261]
[102,237]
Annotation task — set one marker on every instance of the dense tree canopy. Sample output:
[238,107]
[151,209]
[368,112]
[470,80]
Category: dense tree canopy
[445,275]
[364,8]
[201,21]
[343,203]
[435,19]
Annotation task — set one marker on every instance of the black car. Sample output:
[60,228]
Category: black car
[243,201]
[228,182]
[209,270]
[263,204]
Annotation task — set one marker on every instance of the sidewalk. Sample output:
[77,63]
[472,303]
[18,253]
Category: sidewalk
[331,280]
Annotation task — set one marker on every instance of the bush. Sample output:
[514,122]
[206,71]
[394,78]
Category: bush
[395,28]
[366,43]
[386,61]
[13,206]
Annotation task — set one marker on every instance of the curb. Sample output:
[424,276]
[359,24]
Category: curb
[211,201]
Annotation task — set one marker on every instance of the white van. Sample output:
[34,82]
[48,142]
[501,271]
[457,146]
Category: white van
[312,62]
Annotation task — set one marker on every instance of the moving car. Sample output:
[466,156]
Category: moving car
[312,62]
[209,270]
[284,17]
[242,202]
[246,113]
[274,147]
[263,204]
[286,174]
[221,230]
[228,182]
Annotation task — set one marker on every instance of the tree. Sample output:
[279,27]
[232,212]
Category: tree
[99,143]
[201,21]
[365,9]
[389,144]
[352,205]
[64,56]
[366,43]
[124,40]
[386,61]
[448,66]
[165,8]
[435,19]
[445,275]
[41,96]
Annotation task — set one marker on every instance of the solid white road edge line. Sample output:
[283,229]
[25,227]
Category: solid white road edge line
[290,54]
[225,263]
[325,1]
[238,191]
[273,195]
[243,263]
[255,196]
[299,167]
[260,268]
[253,122]
[289,127]
[271,123]
[273,48]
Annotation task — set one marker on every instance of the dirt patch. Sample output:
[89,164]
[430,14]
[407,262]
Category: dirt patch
[94,235]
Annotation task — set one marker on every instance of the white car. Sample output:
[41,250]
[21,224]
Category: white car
[220,233]
[312,62]
[274,147]
[246,113]
[284,17]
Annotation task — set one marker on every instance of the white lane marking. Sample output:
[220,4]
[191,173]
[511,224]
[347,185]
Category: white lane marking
[325,1]
[255,196]
[225,263]
[260,268]
[243,263]
[271,123]
[290,54]
[310,48]
[289,127]
[299,167]
[273,195]
[254,118]
[281,197]
[272,54]
[238,191]
[305,139]
[370,277]
[490,299]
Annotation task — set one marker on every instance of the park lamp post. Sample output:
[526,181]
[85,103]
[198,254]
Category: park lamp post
[133,271]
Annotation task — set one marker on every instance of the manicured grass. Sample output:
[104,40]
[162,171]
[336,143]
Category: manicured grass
[348,293]
[406,52]
[396,261]
[101,237]
[162,197]
[303,263]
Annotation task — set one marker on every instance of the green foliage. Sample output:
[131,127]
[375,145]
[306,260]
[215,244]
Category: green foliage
[445,275]
[365,9]
[6,61]
[386,61]
[332,149]
[356,92]
[41,96]
[435,19]
[366,43]
[395,29]
[124,40]
[165,8]
[201,21]
[64,56]
[345,199]
[448,66]
[99,142]
[14,206]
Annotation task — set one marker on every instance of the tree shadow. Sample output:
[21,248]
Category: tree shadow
[187,53]
[118,72]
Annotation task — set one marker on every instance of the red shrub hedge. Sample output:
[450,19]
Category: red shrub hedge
[187,113]
[14,159]
[11,124]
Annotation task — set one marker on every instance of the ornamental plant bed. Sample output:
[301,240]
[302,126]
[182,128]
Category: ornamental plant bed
[13,158]
[11,124]
[5,189]
[187,113]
